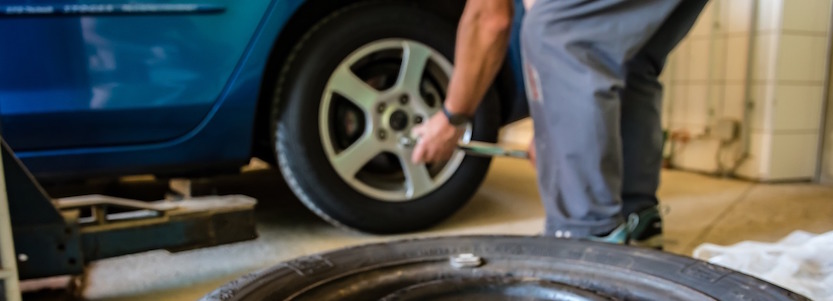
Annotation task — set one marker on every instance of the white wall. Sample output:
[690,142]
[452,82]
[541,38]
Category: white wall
[706,80]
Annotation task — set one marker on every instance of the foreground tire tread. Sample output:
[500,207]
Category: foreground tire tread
[382,270]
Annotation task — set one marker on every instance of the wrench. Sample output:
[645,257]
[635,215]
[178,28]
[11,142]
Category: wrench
[478,148]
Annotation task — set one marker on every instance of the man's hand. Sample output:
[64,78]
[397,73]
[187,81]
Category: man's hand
[436,140]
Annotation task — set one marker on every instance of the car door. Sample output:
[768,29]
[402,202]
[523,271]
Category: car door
[84,73]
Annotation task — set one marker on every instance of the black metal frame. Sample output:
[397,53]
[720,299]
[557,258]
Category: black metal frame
[52,238]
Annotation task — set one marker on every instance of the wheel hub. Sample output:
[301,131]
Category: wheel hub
[398,120]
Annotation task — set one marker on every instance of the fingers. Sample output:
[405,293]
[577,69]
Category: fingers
[436,140]
[418,157]
[430,152]
[418,131]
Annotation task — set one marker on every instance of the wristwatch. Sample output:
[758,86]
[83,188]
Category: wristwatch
[456,119]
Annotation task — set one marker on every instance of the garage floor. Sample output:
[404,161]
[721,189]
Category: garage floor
[700,209]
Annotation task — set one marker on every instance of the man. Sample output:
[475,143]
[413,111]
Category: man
[591,69]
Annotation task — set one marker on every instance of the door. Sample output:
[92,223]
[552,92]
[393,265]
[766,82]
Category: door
[90,73]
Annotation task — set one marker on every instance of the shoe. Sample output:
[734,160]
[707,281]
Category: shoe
[645,229]
[618,236]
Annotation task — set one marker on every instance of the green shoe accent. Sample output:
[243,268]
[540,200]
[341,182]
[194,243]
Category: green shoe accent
[617,236]
[645,228]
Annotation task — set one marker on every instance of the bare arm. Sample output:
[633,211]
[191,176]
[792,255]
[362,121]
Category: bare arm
[482,40]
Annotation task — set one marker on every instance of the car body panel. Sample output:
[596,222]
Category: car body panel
[96,93]
[103,80]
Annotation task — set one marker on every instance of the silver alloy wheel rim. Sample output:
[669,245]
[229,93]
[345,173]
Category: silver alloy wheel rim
[348,162]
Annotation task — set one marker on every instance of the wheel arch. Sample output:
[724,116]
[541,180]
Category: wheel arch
[310,13]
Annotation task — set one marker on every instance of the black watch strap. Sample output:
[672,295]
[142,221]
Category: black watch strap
[456,119]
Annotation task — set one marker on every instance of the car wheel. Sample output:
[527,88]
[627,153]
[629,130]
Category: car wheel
[351,90]
[497,268]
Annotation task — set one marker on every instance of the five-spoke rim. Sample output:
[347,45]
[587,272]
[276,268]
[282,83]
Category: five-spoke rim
[387,116]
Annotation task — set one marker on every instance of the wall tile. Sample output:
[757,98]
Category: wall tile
[797,108]
[697,106]
[736,15]
[806,15]
[801,58]
[762,96]
[769,15]
[717,93]
[733,101]
[737,53]
[794,156]
[765,56]
[700,64]
[719,53]
[756,166]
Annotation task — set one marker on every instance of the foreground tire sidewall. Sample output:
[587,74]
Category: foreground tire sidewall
[381,269]
[304,161]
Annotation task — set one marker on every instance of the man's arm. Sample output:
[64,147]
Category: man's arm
[482,40]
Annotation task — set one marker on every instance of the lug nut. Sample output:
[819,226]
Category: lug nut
[403,99]
[383,135]
[418,119]
[381,108]
[406,141]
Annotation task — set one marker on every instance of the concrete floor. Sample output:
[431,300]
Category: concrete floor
[700,209]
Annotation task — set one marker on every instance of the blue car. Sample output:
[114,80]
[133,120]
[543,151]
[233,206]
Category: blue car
[322,89]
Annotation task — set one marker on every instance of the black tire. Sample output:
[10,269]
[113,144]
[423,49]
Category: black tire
[301,156]
[511,268]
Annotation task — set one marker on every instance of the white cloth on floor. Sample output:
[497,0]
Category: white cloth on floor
[801,262]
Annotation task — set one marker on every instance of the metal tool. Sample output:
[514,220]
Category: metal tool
[485,149]
[479,148]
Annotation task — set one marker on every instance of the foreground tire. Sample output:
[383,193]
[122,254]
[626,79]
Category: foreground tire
[498,268]
[356,84]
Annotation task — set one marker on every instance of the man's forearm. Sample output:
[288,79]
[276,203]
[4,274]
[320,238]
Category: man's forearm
[482,40]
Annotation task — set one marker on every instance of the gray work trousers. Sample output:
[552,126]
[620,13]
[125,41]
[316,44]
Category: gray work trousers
[591,69]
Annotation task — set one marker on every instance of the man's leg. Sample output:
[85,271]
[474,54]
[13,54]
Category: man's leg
[575,53]
[642,109]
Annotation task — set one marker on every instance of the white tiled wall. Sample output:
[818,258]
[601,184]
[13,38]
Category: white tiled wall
[756,165]
[765,56]
[769,15]
[762,97]
[801,58]
[707,81]
[737,51]
[794,155]
[733,100]
[811,16]
[797,108]
[736,15]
